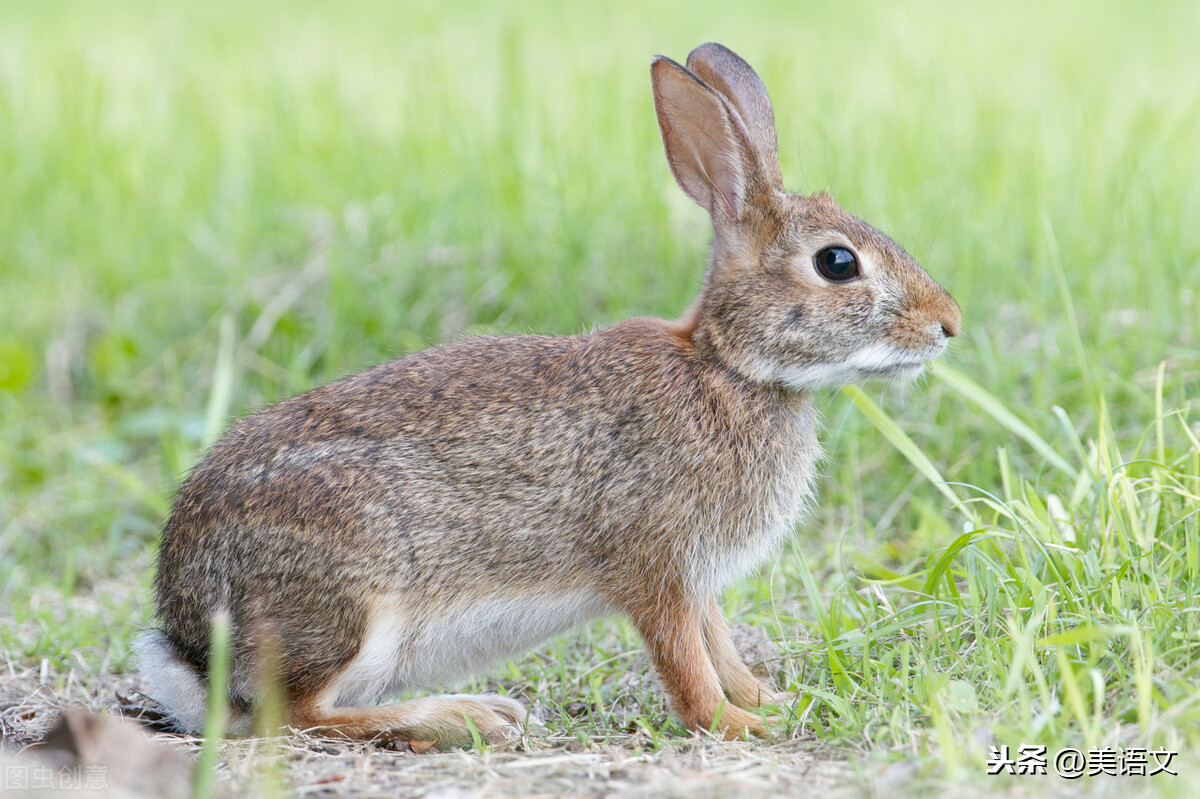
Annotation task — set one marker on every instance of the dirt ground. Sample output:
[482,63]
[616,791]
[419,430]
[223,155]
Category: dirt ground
[62,737]
[545,763]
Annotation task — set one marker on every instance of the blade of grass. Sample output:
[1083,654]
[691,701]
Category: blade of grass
[215,722]
[220,398]
[1072,320]
[993,407]
[904,445]
[943,563]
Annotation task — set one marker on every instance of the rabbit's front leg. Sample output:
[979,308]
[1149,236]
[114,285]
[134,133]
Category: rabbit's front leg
[674,636]
[739,684]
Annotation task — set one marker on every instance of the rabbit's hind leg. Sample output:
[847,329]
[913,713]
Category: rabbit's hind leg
[438,719]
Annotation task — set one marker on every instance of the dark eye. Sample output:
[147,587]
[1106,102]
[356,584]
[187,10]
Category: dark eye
[837,263]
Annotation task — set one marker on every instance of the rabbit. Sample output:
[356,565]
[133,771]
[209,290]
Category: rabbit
[407,526]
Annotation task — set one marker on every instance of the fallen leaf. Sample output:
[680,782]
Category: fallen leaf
[128,760]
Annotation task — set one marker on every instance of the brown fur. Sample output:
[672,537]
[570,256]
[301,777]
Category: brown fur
[640,468]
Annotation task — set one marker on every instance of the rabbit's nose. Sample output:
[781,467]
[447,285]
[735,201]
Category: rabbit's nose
[949,316]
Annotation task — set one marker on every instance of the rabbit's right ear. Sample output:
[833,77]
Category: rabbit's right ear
[728,73]
[707,144]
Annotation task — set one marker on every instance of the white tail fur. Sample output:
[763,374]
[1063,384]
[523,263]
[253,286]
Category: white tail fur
[175,684]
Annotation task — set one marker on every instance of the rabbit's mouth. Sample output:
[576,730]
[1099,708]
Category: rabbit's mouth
[903,373]
[876,362]
[907,368]
[908,364]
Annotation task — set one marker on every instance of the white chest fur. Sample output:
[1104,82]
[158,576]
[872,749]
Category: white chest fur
[757,532]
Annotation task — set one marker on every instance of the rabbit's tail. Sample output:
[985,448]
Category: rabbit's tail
[177,685]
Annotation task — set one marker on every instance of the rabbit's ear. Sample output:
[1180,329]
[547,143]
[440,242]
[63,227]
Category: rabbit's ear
[725,71]
[707,144]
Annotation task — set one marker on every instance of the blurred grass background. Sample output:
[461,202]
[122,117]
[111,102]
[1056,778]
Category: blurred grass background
[206,208]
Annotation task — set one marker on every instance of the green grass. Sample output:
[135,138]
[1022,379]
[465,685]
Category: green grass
[206,210]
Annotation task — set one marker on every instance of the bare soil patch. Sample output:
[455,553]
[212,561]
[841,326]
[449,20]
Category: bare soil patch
[546,762]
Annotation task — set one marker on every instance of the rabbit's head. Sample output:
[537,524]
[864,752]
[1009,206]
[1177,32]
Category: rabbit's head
[798,293]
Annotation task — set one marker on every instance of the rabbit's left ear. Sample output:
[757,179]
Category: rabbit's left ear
[708,145]
[729,74]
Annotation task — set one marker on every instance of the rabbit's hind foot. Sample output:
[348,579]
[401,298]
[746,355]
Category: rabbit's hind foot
[442,720]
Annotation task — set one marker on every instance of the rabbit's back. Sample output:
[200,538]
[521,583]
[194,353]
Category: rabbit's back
[522,466]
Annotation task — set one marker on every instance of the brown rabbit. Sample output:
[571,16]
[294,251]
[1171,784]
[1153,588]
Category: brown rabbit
[406,526]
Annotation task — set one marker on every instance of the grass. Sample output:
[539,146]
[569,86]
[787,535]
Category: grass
[208,209]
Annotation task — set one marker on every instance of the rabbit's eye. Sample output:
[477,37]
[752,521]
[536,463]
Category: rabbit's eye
[837,263]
